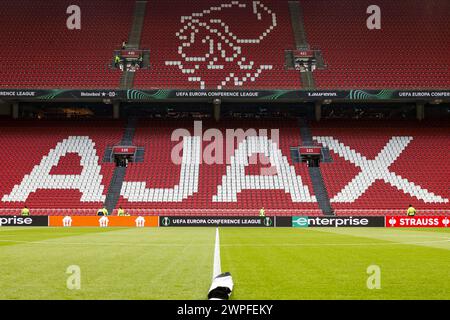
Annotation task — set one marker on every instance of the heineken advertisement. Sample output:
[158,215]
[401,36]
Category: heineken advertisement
[225,95]
[179,221]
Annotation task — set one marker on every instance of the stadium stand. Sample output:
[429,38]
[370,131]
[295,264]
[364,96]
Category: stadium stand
[206,44]
[199,190]
[393,212]
[57,156]
[228,44]
[409,51]
[51,56]
[376,168]
[51,158]
[380,167]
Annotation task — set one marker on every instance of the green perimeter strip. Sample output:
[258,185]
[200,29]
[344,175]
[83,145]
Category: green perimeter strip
[436,237]
[34,235]
[330,237]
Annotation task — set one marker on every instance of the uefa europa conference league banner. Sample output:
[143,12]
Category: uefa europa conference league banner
[207,95]
[216,221]
[187,221]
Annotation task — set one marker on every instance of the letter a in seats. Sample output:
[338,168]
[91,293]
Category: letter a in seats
[236,180]
[89,182]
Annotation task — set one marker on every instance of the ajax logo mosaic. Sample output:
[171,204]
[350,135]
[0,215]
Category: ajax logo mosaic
[208,42]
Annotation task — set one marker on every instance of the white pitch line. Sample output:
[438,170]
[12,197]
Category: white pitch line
[217,268]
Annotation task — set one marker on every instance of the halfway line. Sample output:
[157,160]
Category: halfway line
[217,268]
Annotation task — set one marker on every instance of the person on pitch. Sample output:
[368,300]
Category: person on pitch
[411,212]
[25,212]
[121,212]
[262,212]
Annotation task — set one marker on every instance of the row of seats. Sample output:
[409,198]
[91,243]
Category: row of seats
[39,51]
[224,212]
[409,51]
[217,45]
[390,212]
[241,44]
[222,184]
[59,165]
[385,166]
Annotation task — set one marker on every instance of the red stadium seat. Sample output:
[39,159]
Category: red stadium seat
[228,45]
[421,167]
[417,154]
[26,143]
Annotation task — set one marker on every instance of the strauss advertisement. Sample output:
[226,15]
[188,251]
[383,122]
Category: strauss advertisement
[417,222]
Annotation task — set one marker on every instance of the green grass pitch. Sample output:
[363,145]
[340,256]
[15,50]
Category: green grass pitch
[266,263]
